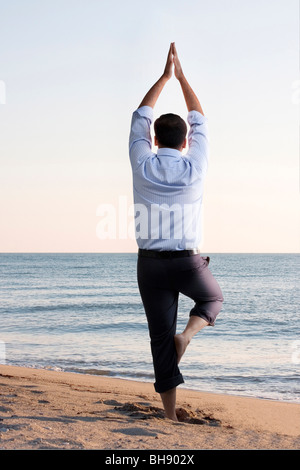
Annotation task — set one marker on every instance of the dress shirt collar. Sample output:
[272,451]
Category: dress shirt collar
[168,152]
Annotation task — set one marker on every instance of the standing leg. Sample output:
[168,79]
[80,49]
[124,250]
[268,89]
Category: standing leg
[169,402]
[160,304]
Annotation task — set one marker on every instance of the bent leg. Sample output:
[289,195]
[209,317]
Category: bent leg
[182,340]
[199,284]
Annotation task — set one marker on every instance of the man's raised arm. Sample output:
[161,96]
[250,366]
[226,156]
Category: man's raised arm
[197,138]
[154,92]
[140,137]
[191,99]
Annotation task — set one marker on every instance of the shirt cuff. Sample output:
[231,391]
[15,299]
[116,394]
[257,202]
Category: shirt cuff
[146,111]
[194,117]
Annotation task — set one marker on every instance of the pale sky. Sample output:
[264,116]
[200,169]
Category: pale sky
[74,71]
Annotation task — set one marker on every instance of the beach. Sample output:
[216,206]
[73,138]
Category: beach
[79,312]
[46,409]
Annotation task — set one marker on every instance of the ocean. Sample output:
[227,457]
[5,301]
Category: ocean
[82,313]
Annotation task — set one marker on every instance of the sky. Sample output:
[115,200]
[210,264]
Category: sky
[73,71]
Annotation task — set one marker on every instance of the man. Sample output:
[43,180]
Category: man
[168,190]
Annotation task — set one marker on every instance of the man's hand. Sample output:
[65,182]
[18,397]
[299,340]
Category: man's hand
[177,65]
[154,92]
[169,65]
[191,99]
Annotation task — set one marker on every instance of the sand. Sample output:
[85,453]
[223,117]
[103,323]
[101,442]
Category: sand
[42,409]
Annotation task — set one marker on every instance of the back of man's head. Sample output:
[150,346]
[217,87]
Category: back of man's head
[170,131]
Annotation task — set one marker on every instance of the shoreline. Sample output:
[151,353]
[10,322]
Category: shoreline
[47,409]
[144,380]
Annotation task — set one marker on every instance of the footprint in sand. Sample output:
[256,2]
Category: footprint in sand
[140,411]
[112,402]
[136,432]
[188,416]
[5,409]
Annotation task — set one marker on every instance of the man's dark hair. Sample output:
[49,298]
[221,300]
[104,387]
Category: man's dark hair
[170,130]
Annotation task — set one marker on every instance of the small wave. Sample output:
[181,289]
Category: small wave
[88,371]
[107,307]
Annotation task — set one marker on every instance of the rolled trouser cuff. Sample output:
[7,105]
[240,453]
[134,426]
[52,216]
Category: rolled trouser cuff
[209,316]
[167,384]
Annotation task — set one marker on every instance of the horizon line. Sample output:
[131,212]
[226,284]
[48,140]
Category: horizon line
[136,252]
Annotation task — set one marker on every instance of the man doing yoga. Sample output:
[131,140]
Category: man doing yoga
[168,191]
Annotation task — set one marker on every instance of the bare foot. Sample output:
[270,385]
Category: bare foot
[169,400]
[181,344]
[172,418]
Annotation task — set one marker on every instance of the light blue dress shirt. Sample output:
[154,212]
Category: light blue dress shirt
[167,185]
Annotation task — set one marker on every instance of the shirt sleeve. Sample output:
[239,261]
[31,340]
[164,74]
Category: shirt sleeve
[197,152]
[140,142]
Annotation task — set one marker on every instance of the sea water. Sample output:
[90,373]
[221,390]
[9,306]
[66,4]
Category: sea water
[82,312]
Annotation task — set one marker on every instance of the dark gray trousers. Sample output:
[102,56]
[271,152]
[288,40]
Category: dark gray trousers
[160,281]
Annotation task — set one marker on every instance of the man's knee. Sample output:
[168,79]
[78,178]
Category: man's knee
[208,310]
